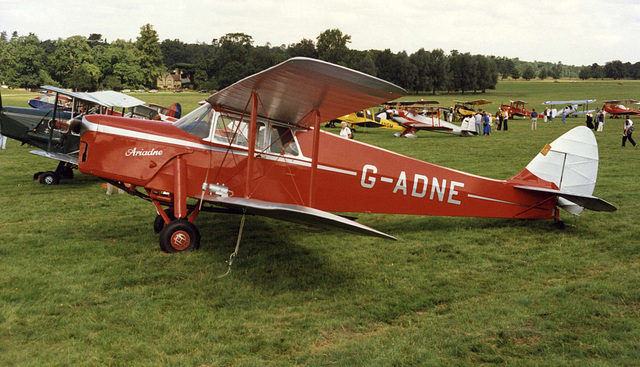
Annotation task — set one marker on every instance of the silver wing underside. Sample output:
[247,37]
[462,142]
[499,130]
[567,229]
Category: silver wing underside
[298,214]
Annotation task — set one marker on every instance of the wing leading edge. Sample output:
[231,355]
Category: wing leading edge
[291,90]
[298,214]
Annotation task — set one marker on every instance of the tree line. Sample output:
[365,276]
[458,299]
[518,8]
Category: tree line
[91,63]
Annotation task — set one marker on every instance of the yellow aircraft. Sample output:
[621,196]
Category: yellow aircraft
[367,118]
[469,108]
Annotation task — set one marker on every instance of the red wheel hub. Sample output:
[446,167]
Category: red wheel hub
[180,240]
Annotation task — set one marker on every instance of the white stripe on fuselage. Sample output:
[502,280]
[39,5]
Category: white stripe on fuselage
[303,161]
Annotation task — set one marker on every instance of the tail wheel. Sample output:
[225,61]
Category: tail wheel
[179,235]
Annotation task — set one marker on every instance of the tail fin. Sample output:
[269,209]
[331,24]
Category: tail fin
[175,110]
[571,164]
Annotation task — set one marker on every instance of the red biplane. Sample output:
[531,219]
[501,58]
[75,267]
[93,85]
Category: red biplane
[256,148]
[620,107]
[516,108]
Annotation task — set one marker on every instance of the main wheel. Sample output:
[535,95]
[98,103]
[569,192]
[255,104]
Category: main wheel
[49,178]
[179,235]
[158,223]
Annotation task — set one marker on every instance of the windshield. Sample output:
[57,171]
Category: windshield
[197,122]
[233,129]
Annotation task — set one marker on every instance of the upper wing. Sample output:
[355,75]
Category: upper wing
[289,92]
[583,101]
[103,98]
[297,214]
[116,99]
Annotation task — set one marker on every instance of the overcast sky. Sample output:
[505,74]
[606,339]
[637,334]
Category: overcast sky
[574,32]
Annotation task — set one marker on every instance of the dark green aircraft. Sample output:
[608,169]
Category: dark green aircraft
[54,127]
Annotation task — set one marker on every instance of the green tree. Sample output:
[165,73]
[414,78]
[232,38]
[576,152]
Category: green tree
[529,72]
[614,69]
[150,54]
[23,62]
[487,74]
[305,48]
[384,64]
[438,70]
[174,52]
[556,71]
[230,73]
[119,63]
[420,60]
[367,65]
[596,71]
[332,46]
[585,73]
[516,73]
[464,71]
[71,54]
[543,73]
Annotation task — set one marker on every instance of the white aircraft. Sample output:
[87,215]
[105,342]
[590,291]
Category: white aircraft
[571,108]
[421,115]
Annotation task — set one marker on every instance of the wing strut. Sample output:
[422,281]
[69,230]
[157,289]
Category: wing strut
[314,155]
[252,141]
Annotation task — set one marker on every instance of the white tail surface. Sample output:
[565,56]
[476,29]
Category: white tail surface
[570,162]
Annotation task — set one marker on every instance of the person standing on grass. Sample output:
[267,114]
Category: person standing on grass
[505,120]
[590,121]
[478,123]
[599,120]
[486,123]
[628,130]
[3,141]
[534,120]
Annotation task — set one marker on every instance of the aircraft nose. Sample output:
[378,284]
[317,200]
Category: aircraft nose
[75,125]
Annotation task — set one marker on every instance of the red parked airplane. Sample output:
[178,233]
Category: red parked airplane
[256,148]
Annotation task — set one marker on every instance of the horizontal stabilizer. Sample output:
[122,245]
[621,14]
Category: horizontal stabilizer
[67,158]
[585,201]
[298,214]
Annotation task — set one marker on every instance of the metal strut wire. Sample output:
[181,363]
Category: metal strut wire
[235,253]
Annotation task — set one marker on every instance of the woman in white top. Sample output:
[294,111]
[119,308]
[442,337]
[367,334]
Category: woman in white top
[345,132]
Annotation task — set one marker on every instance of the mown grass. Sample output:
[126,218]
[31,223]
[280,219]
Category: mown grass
[82,281]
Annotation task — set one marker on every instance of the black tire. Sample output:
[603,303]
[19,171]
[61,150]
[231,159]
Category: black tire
[560,225]
[49,178]
[179,235]
[158,223]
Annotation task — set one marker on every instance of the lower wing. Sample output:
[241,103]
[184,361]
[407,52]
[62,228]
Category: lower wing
[297,214]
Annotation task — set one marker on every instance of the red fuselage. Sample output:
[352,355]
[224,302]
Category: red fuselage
[351,176]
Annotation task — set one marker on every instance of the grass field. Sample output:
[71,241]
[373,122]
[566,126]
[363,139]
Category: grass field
[83,282]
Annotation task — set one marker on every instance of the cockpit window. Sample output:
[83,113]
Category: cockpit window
[234,129]
[197,122]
